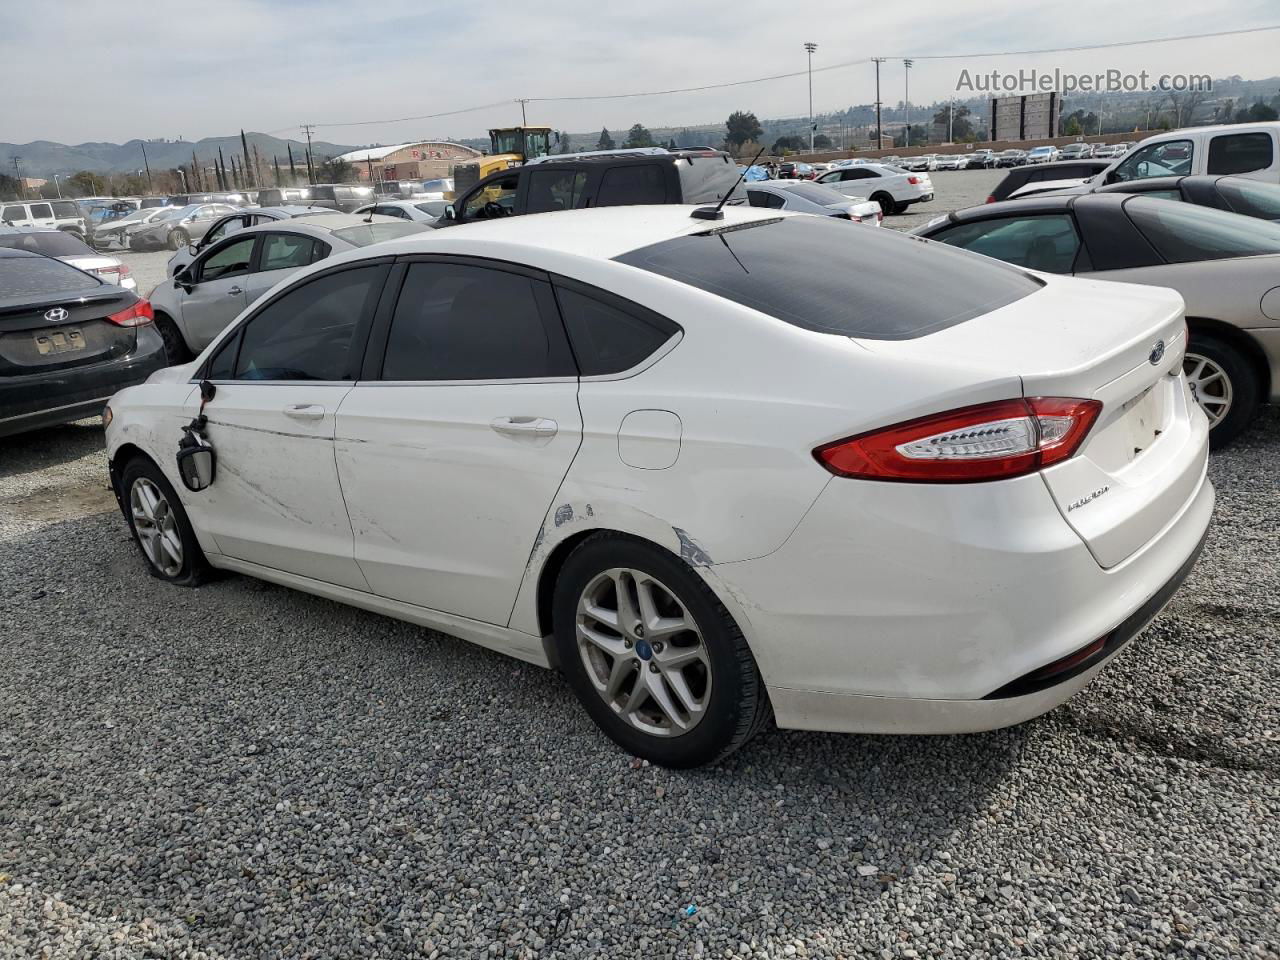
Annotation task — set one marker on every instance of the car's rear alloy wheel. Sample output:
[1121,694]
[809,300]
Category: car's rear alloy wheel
[178,239]
[643,652]
[160,525]
[653,655]
[1224,385]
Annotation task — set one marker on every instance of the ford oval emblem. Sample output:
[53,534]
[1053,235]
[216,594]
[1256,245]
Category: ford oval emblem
[56,315]
[1157,353]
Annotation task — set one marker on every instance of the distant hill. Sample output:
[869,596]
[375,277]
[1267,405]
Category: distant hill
[44,158]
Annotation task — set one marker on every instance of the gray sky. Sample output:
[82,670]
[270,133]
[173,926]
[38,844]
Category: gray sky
[269,65]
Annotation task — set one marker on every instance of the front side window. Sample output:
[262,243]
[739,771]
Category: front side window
[632,184]
[496,200]
[816,273]
[286,251]
[14,213]
[556,190]
[457,321]
[229,261]
[610,337]
[1169,159]
[224,229]
[1183,233]
[1240,153]
[306,333]
[1048,242]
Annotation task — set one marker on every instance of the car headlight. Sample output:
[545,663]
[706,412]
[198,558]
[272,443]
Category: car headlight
[106,416]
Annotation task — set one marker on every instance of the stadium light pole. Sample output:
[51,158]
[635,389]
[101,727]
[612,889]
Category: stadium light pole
[810,47]
[906,101]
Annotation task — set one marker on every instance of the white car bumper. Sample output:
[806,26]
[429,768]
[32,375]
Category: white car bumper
[889,612]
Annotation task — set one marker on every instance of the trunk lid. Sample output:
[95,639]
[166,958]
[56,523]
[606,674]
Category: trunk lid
[60,332]
[1117,343]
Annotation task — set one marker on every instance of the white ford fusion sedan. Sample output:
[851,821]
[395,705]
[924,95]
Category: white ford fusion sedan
[713,470]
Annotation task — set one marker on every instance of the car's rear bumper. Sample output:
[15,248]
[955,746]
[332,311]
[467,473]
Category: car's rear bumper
[886,611]
[47,399]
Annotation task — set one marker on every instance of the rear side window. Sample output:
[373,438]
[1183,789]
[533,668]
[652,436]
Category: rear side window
[609,335]
[307,333]
[636,183]
[556,190]
[816,273]
[763,198]
[1184,233]
[1240,153]
[457,321]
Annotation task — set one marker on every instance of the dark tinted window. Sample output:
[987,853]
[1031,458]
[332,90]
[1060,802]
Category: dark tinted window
[1252,198]
[306,334]
[1240,153]
[41,211]
[1184,233]
[456,321]
[763,198]
[609,336]
[52,243]
[636,183]
[21,277]
[706,180]
[223,364]
[556,190]
[816,273]
[1046,242]
[65,209]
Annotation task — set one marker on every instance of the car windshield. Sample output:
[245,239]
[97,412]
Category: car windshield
[23,279]
[52,243]
[816,193]
[1183,233]
[816,273]
[364,234]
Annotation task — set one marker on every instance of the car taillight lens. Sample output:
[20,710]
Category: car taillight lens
[990,441]
[991,199]
[136,315]
[913,180]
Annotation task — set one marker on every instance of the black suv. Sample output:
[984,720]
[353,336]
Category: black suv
[682,176]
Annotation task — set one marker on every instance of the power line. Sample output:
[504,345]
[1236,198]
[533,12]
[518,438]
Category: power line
[1093,46]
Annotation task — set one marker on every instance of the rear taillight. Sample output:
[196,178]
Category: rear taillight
[991,199]
[913,180]
[136,315]
[990,441]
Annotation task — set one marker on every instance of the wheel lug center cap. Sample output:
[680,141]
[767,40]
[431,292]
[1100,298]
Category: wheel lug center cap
[643,650]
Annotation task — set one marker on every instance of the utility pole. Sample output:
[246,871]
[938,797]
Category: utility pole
[524,120]
[146,165]
[906,99]
[878,61]
[57,185]
[951,121]
[311,170]
[810,47]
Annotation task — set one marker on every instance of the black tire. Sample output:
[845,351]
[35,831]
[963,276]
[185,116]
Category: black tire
[175,348]
[885,201]
[738,707]
[900,207]
[195,569]
[178,239]
[1243,380]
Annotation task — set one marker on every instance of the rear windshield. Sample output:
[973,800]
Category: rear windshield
[54,243]
[708,179]
[817,193]
[1183,233]
[819,274]
[364,234]
[1252,198]
[22,278]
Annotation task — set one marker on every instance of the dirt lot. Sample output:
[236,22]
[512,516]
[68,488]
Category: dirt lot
[244,771]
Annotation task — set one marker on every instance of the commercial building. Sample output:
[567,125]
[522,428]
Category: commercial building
[421,160]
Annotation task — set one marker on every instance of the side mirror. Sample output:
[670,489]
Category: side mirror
[183,279]
[450,213]
[197,463]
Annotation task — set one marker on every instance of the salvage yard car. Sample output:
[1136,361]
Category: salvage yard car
[179,227]
[969,486]
[206,294]
[891,187]
[68,341]
[1225,266]
[68,248]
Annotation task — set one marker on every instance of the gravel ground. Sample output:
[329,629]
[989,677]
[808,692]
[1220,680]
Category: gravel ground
[247,772]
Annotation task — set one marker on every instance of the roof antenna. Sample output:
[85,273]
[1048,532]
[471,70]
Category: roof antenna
[716,212]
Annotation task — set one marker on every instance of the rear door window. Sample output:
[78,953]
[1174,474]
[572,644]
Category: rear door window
[1240,153]
[633,184]
[41,211]
[460,321]
[608,334]
[551,190]
[816,273]
[285,251]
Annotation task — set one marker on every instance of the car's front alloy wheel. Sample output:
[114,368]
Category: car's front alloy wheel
[160,525]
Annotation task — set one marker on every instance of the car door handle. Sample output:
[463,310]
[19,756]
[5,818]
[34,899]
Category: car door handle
[234,292]
[304,411]
[531,427]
